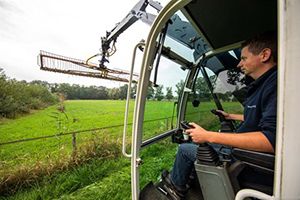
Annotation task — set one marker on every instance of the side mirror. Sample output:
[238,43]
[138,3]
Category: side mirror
[196,103]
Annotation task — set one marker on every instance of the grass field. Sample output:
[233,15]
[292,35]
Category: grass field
[79,115]
[95,177]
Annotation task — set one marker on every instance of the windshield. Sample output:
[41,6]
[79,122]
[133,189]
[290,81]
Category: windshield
[228,84]
[160,113]
[183,39]
[230,78]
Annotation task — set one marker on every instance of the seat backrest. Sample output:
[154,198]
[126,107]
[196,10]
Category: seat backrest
[259,159]
[254,170]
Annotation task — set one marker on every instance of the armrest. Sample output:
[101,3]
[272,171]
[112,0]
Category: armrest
[260,159]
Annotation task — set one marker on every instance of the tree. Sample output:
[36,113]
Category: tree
[150,92]
[227,96]
[179,88]
[235,76]
[65,89]
[202,89]
[42,83]
[114,93]
[169,94]
[159,95]
[123,91]
[133,91]
[102,92]
[18,97]
[7,104]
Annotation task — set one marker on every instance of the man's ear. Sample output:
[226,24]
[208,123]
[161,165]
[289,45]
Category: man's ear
[265,55]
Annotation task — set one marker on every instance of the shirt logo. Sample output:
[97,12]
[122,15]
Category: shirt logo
[251,106]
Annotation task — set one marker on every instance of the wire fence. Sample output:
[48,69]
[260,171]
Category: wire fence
[30,152]
[74,133]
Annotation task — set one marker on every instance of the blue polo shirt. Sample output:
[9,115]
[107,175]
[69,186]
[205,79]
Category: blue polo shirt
[260,106]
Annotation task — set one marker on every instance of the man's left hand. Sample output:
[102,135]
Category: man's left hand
[198,134]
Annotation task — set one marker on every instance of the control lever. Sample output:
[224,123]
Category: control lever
[226,125]
[185,125]
[215,112]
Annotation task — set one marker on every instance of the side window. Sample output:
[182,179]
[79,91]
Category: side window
[160,109]
[228,84]
[231,81]
[200,103]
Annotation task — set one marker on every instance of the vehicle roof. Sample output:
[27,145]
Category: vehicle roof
[223,22]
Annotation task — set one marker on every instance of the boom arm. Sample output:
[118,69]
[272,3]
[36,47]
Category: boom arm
[136,13]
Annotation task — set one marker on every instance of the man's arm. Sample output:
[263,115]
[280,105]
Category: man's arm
[255,141]
[229,116]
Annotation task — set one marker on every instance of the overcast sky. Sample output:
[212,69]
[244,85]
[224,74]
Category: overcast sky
[72,28]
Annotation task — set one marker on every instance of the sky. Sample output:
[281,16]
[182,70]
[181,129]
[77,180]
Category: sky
[72,28]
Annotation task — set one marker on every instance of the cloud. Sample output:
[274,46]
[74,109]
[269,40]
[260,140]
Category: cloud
[66,27]
[8,12]
[5,5]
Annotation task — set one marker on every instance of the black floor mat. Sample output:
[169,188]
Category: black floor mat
[154,192]
[151,192]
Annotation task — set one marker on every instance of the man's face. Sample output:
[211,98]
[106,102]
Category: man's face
[249,63]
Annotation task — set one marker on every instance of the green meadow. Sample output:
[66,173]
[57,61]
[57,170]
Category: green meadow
[51,168]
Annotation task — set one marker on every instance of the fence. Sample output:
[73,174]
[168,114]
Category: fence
[26,152]
[74,133]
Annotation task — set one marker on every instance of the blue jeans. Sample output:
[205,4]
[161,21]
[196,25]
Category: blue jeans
[184,163]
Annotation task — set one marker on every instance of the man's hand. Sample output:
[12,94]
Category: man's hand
[230,116]
[198,134]
[255,141]
[225,114]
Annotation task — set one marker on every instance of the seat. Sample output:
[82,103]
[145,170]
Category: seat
[254,170]
[223,178]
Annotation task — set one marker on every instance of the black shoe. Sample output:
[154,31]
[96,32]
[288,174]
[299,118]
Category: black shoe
[171,190]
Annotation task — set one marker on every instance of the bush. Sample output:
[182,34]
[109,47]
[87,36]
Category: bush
[19,97]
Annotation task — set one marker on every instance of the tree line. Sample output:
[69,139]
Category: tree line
[19,97]
[77,92]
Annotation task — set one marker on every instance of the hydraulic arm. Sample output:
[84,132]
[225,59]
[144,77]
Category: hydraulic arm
[137,12]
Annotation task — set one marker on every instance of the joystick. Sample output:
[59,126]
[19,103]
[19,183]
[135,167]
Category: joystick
[186,125]
[226,125]
[215,112]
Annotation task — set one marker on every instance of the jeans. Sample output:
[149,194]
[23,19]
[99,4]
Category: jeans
[184,164]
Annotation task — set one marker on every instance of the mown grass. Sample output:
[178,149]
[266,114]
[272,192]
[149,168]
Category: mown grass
[64,183]
[22,162]
[79,115]
[95,176]
[100,178]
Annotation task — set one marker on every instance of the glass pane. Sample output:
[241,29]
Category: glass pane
[160,108]
[231,81]
[183,39]
[201,114]
[223,87]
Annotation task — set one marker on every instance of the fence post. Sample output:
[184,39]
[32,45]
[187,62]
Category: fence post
[74,144]
[167,123]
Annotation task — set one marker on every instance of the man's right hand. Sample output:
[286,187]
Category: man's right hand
[225,114]
[230,116]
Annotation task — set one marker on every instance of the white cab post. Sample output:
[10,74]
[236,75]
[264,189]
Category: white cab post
[287,176]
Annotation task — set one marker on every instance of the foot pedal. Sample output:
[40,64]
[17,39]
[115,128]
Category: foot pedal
[167,191]
[150,192]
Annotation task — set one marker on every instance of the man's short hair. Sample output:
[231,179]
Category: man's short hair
[265,40]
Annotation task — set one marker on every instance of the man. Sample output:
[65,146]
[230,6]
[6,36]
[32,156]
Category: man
[258,128]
